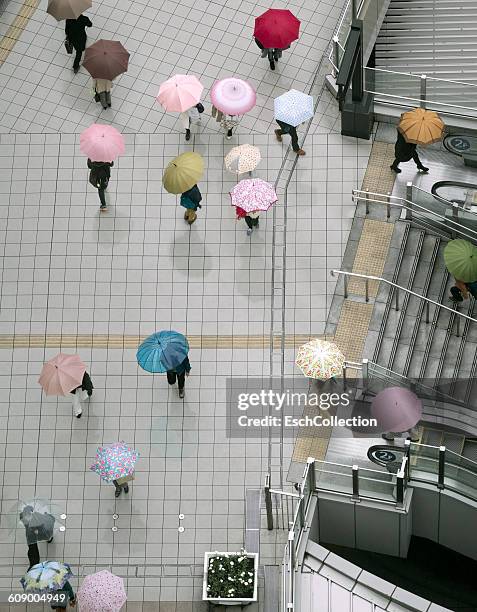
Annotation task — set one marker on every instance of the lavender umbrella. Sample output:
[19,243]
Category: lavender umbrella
[396,409]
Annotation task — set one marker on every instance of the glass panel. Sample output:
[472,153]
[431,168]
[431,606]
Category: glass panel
[453,93]
[334,481]
[393,84]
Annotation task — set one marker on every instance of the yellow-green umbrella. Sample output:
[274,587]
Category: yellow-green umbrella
[183,172]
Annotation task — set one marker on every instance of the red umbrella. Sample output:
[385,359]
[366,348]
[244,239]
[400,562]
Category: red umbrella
[106,59]
[276,28]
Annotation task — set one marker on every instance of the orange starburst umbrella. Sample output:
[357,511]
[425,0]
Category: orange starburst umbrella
[421,126]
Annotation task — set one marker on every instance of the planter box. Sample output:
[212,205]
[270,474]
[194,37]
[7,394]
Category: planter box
[230,601]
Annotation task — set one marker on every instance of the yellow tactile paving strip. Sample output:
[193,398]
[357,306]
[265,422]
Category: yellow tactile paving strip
[373,247]
[133,341]
[379,178]
[14,32]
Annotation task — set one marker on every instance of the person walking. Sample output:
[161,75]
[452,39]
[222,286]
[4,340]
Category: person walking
[102,92]
[286,128]
[121,484]
[179,373]
[75,31]
[82,393]
[251,219]
[405,151]
[100,173]
[191,201]
[190,116]
[70,597]
[33,555]
[273,55]
[461,290]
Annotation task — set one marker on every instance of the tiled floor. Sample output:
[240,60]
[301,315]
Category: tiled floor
[66,270]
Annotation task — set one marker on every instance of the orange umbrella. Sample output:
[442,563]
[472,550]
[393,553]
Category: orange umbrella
[421,126]
[62,374]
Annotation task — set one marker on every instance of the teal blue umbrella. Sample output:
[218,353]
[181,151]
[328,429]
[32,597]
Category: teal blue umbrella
[162,351]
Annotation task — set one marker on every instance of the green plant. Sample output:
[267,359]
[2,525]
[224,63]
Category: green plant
[230,575]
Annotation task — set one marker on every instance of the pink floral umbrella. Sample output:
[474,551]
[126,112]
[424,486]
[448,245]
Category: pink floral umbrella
[102,142]
[113,461]
[233,96]
[253,195]
[180,92]
[62,374]
[101,592]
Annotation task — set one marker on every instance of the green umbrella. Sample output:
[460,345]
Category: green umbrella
[460,257]
[183,172]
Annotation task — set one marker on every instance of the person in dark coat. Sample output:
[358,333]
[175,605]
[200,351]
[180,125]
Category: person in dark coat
[75,30]
[39,526]
[70,597]
[33,555]
[191,201]
[273,54]
[100,173]
[179,373]
[405,151]
[285,128]
[82,392]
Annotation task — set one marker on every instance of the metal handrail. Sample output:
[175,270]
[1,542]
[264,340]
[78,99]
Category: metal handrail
[419,100]
[369,277]
[419,76]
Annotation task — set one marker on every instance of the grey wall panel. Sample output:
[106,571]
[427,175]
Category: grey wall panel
[425,512]
[457,525]
[336,518]
[377,530]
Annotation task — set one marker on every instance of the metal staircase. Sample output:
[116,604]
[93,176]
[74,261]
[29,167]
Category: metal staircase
[433,37]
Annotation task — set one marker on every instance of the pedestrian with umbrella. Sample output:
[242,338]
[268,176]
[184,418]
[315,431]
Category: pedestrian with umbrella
[75,32]
[274,32]
[416,127]
[250,197]
[242,159]
[181,177]
[101,592]
[67,9]
[82,393]
[291,109]
[166,351]
[62,375]
[460,257]
[116,463]
[231,97]
[181,93]
[397,410]
[105,60]
[102,144]
[51,577]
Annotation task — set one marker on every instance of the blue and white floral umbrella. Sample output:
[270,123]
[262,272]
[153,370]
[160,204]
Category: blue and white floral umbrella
[46,577]
[293,107]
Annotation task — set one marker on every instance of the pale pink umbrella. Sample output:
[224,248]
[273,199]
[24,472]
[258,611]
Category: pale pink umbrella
[233,96]
[102,142]
[101,592]
[253,195]
[62,374]
[180,92]
[396,409]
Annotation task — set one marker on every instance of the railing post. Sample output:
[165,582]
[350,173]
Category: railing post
[457,331]
[311,476]
[301,510]
[345,283]
[336,55]
[344,376]
[409,187]
[397,298]
[365,373]
[407,446]
[423,90]
[354,9]
[366,289]
[427,311]
[366,201]
[268,503]
[442,464]
[355,475]
[291,577]
[388,205]
[400,489]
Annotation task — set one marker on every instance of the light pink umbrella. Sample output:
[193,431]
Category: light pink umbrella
[180,92]
[233,96]
[101,592]
[62,374]
[102,142]
[253,195]
[396,409]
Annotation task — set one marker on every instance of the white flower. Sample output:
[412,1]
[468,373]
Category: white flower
[221,580]
[231,563]
[240,559]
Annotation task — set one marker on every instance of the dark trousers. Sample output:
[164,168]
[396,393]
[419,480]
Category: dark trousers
[173,376]
[79,53]
[102,197]
[33,554]
[119,486]
[415,157]
[289,129]
[251,222]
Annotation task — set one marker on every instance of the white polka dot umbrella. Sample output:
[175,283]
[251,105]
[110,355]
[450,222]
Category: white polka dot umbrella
[243,158]
[320,359]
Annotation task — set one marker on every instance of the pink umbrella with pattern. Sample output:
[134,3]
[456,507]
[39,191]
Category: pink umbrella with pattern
[101,592]
[114,461]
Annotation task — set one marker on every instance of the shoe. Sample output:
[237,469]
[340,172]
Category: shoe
[388,436]
[76,69]
[117,492]
[300,152]
[395,169]
[264,53]
[272,65]
[278,135]
[181,393]
[103,209]
[50,540]
[229,134]
[126,488]
[456,295]
[187,134]
[78,414]
[186,215]
[423,169]
[249,231]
